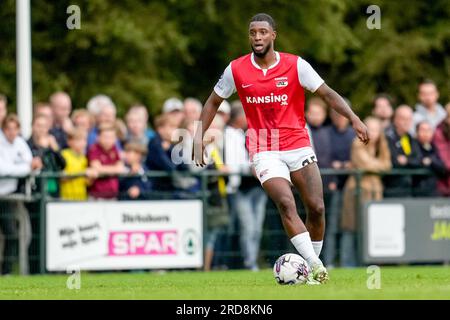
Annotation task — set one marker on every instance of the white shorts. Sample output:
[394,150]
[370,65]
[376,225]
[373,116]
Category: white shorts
[271,164]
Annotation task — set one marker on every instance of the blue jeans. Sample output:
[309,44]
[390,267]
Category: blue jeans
[251,210]
[332,228]
[348,249]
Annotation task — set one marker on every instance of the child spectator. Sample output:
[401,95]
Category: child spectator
[76,163]
[46,152]
[134,188]
[441,141]
[83,120]
[426,186]
[103,156]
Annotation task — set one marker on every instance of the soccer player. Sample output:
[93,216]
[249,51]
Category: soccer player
[271,85]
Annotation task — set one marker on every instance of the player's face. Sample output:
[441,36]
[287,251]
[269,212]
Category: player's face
[261,37]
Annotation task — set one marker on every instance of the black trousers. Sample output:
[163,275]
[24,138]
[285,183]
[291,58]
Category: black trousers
[8,226]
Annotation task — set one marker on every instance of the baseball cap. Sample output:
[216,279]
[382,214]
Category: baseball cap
[224,107]
[172,104]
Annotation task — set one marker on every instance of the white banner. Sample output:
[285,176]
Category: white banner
[107,235]
[386,224]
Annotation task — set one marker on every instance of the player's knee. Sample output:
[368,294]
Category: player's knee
[286,205]
[317,208]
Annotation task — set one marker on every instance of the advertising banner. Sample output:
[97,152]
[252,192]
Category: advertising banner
[107,235]
[406,230]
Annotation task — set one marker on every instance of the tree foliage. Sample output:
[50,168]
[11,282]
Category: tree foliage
[145,51]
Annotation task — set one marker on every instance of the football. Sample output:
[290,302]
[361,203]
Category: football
[291,268]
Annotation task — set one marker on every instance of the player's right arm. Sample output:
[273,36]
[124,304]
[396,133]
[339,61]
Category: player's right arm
[224,88]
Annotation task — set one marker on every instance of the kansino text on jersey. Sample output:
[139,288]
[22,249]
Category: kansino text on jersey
[268,99]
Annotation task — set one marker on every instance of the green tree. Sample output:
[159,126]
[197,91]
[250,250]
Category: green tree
[146,51]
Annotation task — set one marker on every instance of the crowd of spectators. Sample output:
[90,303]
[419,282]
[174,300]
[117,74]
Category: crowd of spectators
[110,157]
[401,138]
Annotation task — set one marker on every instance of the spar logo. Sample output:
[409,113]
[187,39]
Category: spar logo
[136,243]
[282,99]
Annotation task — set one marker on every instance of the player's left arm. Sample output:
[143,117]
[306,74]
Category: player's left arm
[334,100]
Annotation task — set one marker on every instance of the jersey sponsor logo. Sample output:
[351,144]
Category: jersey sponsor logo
[281,82]
[282,99]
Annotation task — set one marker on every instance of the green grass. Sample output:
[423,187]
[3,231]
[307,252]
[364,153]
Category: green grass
[431,282]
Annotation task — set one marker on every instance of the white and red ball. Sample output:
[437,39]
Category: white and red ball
[291,268]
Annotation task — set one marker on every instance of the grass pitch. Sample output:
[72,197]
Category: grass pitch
[430,282]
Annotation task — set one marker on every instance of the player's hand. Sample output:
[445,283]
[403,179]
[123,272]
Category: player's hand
[199,152]
[361,130]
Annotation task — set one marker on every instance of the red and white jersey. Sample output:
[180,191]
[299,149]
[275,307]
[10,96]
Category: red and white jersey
[273,100]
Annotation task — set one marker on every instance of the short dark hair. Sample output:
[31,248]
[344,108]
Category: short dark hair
[106,127]
[420,123]
[382,96]
[264,17]
[11,118]
[427,81]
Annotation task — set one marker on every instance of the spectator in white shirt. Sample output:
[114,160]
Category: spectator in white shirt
[15,155]
[15,160]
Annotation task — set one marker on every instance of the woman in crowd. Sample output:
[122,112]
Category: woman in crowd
[374,157]
[46,152]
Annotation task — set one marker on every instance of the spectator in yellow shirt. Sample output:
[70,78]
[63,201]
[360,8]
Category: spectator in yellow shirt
[76,163]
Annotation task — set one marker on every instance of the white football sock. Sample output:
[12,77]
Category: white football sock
[317,245]
[302,242]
